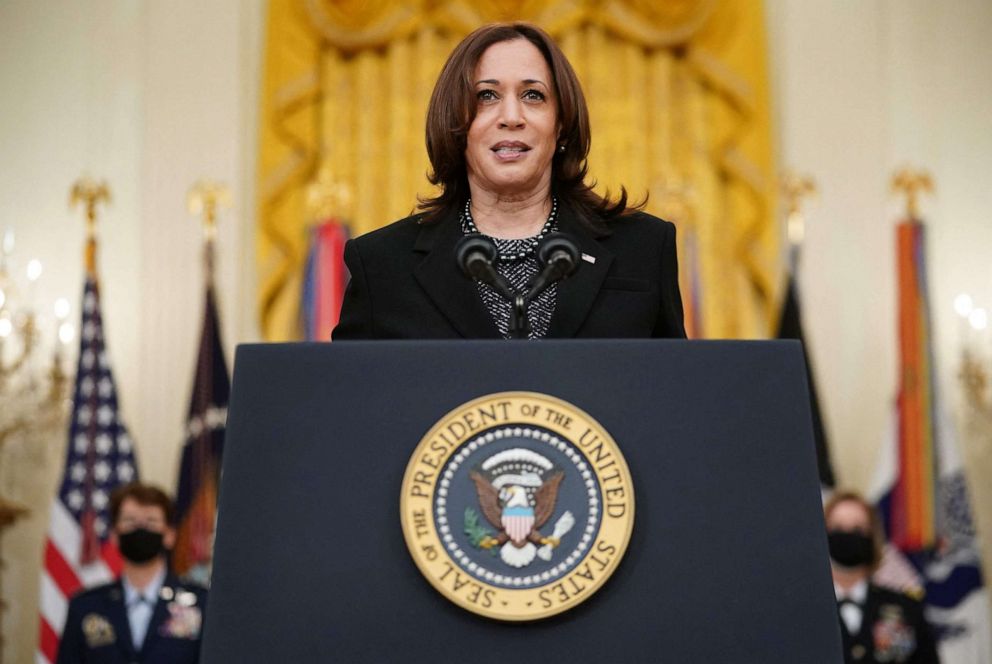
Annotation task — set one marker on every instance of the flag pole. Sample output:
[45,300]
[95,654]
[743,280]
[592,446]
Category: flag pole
[206,197]
[796,189]
[329,206]
[199,463]
[327,198]
[90,194]
[910,183]
[914,497]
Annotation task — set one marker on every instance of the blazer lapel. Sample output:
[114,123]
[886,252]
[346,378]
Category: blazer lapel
[865,638]
[117,612]
[577,292]
[454,294]
[160,614]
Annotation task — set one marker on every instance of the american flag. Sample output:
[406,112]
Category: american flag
[99,457]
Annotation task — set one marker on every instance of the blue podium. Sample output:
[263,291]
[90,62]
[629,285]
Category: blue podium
[727,558]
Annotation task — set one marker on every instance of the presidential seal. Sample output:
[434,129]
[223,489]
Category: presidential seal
[517,506]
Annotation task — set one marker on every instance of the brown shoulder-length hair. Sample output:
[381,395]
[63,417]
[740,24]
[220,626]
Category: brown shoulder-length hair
[144,495]
[874,521]
[452,109]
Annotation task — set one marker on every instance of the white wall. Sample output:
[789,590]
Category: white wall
[861,89]
[151,96]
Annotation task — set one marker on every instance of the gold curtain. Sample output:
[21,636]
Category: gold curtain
[678,98]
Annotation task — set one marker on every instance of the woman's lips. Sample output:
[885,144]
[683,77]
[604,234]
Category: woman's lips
[510,151]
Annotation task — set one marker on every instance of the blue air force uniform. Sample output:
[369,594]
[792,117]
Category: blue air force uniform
[98,626]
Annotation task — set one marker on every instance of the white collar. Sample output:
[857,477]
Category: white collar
[856,593]
[149,594]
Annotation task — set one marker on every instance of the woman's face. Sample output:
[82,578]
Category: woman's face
[512,139]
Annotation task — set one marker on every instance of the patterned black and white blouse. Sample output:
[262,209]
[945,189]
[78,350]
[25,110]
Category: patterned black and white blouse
[517,262]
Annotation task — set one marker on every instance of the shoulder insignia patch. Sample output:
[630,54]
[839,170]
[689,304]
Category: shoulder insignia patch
[97,631]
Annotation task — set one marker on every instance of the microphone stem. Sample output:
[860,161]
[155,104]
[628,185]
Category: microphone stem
[519,323]
[551,273]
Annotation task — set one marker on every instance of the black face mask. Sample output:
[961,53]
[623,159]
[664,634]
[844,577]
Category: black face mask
[140,545]
[850,548]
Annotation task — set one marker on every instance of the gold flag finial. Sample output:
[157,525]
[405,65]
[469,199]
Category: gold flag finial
[797,189]
[911,182]
[328,197]
[676,199]
[205,197]
[90,193]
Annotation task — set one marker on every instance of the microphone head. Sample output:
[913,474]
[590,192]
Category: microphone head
[471,249]
[559,248]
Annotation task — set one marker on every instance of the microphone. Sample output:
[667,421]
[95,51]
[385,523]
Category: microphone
[476,256]
[559,254]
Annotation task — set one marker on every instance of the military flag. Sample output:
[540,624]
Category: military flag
[920,487]
[199,469]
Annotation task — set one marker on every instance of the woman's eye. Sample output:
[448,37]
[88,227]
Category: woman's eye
[534,95]
[486,95]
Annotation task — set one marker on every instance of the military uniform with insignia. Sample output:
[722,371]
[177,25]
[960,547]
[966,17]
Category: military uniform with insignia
[892,630]
[97,629]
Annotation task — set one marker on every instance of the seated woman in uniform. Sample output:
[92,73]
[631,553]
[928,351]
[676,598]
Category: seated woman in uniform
[877,625]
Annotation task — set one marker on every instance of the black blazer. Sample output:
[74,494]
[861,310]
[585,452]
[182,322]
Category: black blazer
[405,283]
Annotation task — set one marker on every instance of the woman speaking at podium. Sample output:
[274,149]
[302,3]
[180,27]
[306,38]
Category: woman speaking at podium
[507,137]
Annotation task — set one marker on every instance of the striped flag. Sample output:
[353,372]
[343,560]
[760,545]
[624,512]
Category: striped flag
[199,470]
[912,508]
[100,456]
[324,280]
[920,485]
